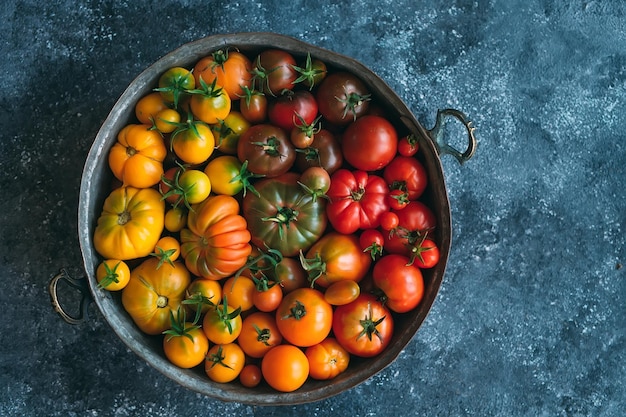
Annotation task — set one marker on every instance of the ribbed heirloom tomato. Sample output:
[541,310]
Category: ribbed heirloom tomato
[216,242]
[130,224]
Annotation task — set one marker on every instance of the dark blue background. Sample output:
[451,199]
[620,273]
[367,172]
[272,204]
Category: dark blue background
[530,318]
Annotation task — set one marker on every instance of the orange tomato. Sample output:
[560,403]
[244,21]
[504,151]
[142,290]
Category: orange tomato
[239,290]
[210,104]
[230,68]
[167,249]
[203,293]
[193,142]
[267,297]
[259,334]
[187,346]
[250,376]
[327,359]
[224,362]
[222,323]
[149,106]
[285,368]
[112,274]
[304,317]
[152,294]
[166,120]
[342,292]
[137,157]
[130,224]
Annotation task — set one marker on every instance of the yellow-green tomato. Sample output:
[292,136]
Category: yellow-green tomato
[195,184]
[227,132]
[224,174]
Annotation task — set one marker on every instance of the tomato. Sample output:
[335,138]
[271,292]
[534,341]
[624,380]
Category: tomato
[274,71]
[363,327]
[210,103]
[175,219]
[185,344]
[342,292]
[224,362]
[356,200]
[253,106]
[216,242]
[250,376]
[397,199]
[325,152]
[202,294]
[267,295]
[239,289]
[389,221]
[401,282]
[225,175]
[259,334]
[283,216]
[311,73]
[425,254]
[316,181]
[372,241]
[152,294]
[137,157]
[413,222]
[292,109]
[267,149]
[342,98]
[336,257]
[112,274]
[228,131]
[327,359]
[166,120]
[290,275]
[222,323]
[408,145]
[230,69]
[193,142]
[149,106]
[130,224]
[167,249]
[370,143]
[173,83]
[406,174]
[285,368]
[188,186]
[304,317]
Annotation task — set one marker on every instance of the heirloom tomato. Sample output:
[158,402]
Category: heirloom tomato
[406,174]
[283,216]
[174,82]
[370,143]
[222,323]
[210,103]
[304,317]
[413,221]
[130,224]
[274,71]
[285,368]
[152,294]
[267,149]
[185,344]
[336,257]
[259,334]
[224,362]
[225,175]
[216,242]
[324,151]
[228,131]
[356,200]
[327,359]
[193,142]
[363,327]
[401,282]
[342,98]
[289,274]
[230,69]
[112,274]
[149,106]
[137,157]
[292,109]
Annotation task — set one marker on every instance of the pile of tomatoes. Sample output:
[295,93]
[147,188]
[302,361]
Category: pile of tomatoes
[266,219]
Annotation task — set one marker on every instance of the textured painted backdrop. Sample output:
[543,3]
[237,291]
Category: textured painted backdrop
[530,318]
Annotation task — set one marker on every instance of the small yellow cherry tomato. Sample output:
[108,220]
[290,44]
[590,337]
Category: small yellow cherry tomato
[112,275]
[175,219]
[227,132]
[167,120]
[167,249]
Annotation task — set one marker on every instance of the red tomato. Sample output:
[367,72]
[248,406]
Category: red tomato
[406,174]
[356,200]
[304,317]
[413,221]
[372,241]
[292,109]
[253,106]
[401,282]
[342,98]
[274,71]
[397,199]
[363,327]
[425,254]
[250,376]
[389,221]
[267,295]
[370,143]
[408,145]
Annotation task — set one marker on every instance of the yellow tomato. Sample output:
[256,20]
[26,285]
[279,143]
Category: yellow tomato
[112,274]
[175,219]
[224,174]
[227,132]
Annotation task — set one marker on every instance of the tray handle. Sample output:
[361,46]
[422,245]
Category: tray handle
[78,284]
[443,147]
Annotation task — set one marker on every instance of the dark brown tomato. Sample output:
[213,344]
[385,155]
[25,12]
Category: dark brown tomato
[325,152]
[274,71]
[267,149]
[342,98]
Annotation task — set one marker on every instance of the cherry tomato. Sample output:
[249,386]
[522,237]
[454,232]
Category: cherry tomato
[413,222]
[325,152]
[389,221]
[327,359]
[222,323]
[193,142]
[202,294]
[342,292]
[408,145]
[224,362]
[253,106]
[316,181]
[250,376]
[397,199]
[239,290]
[259,334]
[175,219]
[290,274]
[230,69]
[188,187]
[285,368]
[185,345]
[210,103]
[267,295]
[167,249]
[113,274]
[224,173]
[311,73]
[425,254]
[304,317]
[173,83]
[228,131]
[370,143]
[372,241]
[167,120]
[401,282]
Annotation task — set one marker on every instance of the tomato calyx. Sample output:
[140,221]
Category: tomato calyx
[110,277]
[163,255]
[248,93]
[207,90]
[271,147]
[259,264]
[284,216]
[308,129]
[179,326]
[263,335]
[297,312]
[351,102]
[197,300]
[224,316]
[244,177]
[262,75]
[370,325]
[311,73]
[375,250]
[315,267]
[175,189]
[413,237]
[217,358]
